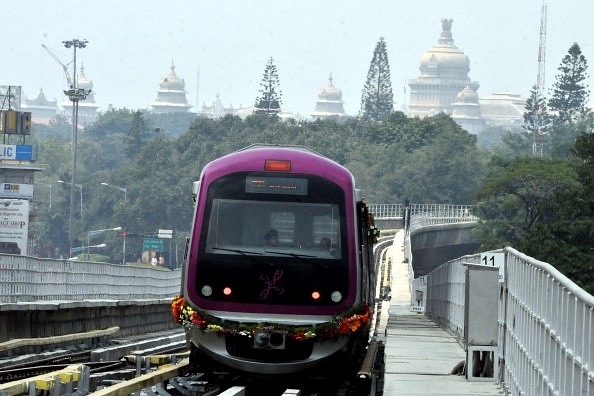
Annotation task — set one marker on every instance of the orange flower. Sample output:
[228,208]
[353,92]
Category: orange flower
[176,307]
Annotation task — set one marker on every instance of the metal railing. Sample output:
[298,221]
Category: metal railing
[435,211]
[25,279]
[546,324]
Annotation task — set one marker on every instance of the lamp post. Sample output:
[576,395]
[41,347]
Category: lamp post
[125,191]
[122,189]
[81,194]
[75,95]
[50,191]
[83,248]
[97,232]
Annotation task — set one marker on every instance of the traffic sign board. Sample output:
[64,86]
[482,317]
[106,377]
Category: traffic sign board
[152,244]
[166,234]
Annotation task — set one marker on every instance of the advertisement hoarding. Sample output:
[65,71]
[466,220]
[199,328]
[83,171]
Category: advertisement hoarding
[14,226]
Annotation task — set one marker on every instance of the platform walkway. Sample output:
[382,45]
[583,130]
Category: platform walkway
[419,355]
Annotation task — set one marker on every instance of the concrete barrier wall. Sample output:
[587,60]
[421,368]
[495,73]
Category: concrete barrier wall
[25,278]
[51,319]
[434,245]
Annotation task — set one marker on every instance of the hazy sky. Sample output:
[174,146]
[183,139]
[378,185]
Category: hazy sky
[222,46]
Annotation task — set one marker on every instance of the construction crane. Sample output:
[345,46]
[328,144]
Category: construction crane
[540,81]
[64,66]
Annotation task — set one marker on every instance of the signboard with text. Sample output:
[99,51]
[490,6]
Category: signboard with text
[495,259]
[152,244]
[20,152]
[14,226]
[16,190]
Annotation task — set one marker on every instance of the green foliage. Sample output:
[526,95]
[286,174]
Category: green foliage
[516,197]
[536,118]
[377,101]
[159,176]
[564,237]
[570,93]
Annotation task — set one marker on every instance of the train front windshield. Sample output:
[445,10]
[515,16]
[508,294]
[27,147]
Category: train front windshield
[274,228]
[262,226]
[273,215]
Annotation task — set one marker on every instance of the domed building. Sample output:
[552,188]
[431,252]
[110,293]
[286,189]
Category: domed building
[444,73]
[42,110]
[87,109]
[444,86]
[171,95]
[329,104]
[466,110]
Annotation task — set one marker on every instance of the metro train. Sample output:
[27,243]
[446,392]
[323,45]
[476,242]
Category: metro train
[278,277]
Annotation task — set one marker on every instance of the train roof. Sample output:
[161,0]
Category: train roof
[303,159]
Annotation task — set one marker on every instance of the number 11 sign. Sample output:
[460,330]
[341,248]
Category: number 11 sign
[497,260]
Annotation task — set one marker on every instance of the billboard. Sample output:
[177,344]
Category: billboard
[21,152]
[16,190]
[14,226]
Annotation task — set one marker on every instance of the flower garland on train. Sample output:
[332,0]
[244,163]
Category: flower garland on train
[348,322]
[373,233]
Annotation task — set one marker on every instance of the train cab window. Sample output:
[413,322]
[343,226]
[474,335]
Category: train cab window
[241,227]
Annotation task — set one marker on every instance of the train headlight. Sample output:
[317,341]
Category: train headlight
[315,295]
[206,291]
[227,291]
[336,296]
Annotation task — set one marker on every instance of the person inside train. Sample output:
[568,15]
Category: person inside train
[271,238]
[325,244]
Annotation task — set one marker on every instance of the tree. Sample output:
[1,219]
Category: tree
[517,196]
[377,100]
[570,94]
[269,101]
[564,240]
[536,118]
[137,135]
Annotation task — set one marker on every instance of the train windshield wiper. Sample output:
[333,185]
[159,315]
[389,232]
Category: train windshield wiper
[302,257]
[246,253]
[238,251]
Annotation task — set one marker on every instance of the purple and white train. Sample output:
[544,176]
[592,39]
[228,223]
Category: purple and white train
[278,276]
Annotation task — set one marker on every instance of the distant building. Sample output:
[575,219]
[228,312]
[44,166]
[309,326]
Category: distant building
[466,110]
[444,86]
[171,95]
[217,109]
[329,105]
[87,109]
[503,109]
[42,110]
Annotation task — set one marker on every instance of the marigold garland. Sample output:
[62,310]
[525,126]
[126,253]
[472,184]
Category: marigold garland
[348,322]
[373,233]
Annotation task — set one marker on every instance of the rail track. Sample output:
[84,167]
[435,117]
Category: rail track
[164,370]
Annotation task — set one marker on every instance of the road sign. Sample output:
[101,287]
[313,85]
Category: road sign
[166,234]
[152,244]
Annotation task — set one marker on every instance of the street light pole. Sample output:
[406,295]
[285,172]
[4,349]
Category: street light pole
[125,191]
[75,95]
[50,191]
[97,232]
[122,189]
[79,186]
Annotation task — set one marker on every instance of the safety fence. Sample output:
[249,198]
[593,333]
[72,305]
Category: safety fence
[435,211]
[545,323]
[24,279]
